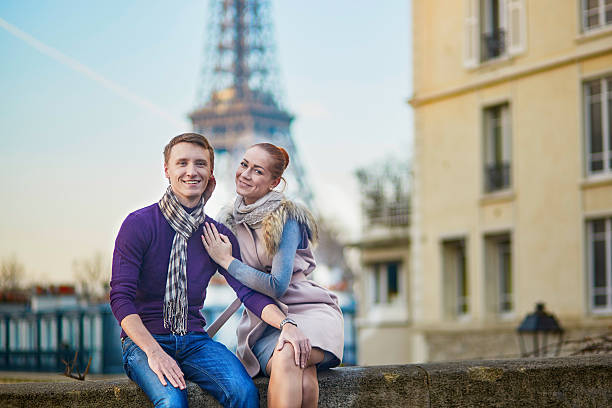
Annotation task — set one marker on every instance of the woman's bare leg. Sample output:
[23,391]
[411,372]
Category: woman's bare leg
[310,382]
[286,386]
[310,387]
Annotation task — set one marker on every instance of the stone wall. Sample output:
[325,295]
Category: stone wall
[558,382]
[478,344]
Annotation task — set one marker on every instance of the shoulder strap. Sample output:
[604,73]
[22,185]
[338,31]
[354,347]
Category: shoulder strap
[223,317]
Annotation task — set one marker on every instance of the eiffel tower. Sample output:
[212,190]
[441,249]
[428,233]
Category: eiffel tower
[240,102]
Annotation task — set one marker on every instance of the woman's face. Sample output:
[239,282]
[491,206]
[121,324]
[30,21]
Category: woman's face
[253,177]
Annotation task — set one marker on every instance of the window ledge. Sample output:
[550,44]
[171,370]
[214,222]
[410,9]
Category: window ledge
[594,34]
[506,316]
[389,313]
[601,313]
[497,197]
[459,319]
[464,318]
[492,63]
[599,180]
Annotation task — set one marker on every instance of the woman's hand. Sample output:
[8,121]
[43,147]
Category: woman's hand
[301,344]
[217,245]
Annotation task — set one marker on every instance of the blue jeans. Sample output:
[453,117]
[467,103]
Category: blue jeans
[203,361]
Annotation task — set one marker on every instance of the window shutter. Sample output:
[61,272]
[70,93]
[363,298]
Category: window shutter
[516,34]
[471,54]
[506,134]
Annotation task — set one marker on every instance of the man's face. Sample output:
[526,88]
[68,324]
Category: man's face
[188,169]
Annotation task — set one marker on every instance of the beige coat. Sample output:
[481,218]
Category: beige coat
[314,308]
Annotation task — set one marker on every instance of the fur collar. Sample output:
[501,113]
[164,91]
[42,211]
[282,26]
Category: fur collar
[273,223]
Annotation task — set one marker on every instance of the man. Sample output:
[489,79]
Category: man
[158,285]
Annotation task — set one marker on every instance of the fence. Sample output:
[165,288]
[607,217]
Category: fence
[43,341]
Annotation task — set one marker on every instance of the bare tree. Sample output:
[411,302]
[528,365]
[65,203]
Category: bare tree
[385,192]
[92,276]
[11,273]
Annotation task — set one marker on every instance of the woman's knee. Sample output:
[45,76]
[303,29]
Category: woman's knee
[284,360]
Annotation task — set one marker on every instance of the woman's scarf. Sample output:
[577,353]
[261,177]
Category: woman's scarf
[184,224]
[253,214]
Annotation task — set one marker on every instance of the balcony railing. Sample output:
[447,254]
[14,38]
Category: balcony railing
[497,176]
[493,44]
[389,214]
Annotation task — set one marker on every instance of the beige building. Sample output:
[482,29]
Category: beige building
[382,288]
[512,200]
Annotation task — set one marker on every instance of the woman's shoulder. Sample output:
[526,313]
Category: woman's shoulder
[274,223]
[298,212]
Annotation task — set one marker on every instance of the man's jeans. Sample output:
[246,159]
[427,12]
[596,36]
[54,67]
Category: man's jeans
[203,361]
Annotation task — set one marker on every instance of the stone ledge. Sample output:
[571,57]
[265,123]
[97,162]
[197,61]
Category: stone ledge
[565,382]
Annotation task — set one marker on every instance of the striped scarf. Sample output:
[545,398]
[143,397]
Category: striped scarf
[184,224]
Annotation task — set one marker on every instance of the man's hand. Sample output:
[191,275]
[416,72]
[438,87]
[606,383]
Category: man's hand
[301,344]
[161,363]
[165,367]
[217,245]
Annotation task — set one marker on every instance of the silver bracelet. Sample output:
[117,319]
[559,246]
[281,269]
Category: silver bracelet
[288,320]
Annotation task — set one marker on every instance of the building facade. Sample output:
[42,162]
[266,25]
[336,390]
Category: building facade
[512,179]
[382,285]
[512,171]
[383,290]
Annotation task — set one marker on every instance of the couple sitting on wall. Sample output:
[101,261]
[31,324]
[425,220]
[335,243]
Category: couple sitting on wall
[165,255]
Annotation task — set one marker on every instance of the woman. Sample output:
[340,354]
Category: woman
[276,238]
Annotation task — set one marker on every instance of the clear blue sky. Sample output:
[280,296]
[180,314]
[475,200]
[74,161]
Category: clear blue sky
[83,123]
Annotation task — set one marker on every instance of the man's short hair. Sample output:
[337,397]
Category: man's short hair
[194,138]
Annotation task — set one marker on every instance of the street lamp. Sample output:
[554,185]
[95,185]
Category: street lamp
[539,325]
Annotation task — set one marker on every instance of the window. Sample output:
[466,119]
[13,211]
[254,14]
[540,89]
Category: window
[505,276]
[598,121]
[499,273]
[493,28]
[218,130]
[600,253]
[497,141]
[385,282]
[456,297]
[596,13]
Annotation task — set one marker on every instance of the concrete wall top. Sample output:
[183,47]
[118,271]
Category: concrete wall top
[559,382]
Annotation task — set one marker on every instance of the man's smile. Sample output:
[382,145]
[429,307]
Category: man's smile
[191,181]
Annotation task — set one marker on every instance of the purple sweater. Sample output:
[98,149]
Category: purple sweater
[140,268]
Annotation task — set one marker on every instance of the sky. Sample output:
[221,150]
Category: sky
[90,92]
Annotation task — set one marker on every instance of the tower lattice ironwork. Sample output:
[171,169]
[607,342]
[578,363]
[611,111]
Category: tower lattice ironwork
[240,102]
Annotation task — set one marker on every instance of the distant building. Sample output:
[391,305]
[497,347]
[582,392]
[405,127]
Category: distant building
[382,284]
[53,298]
